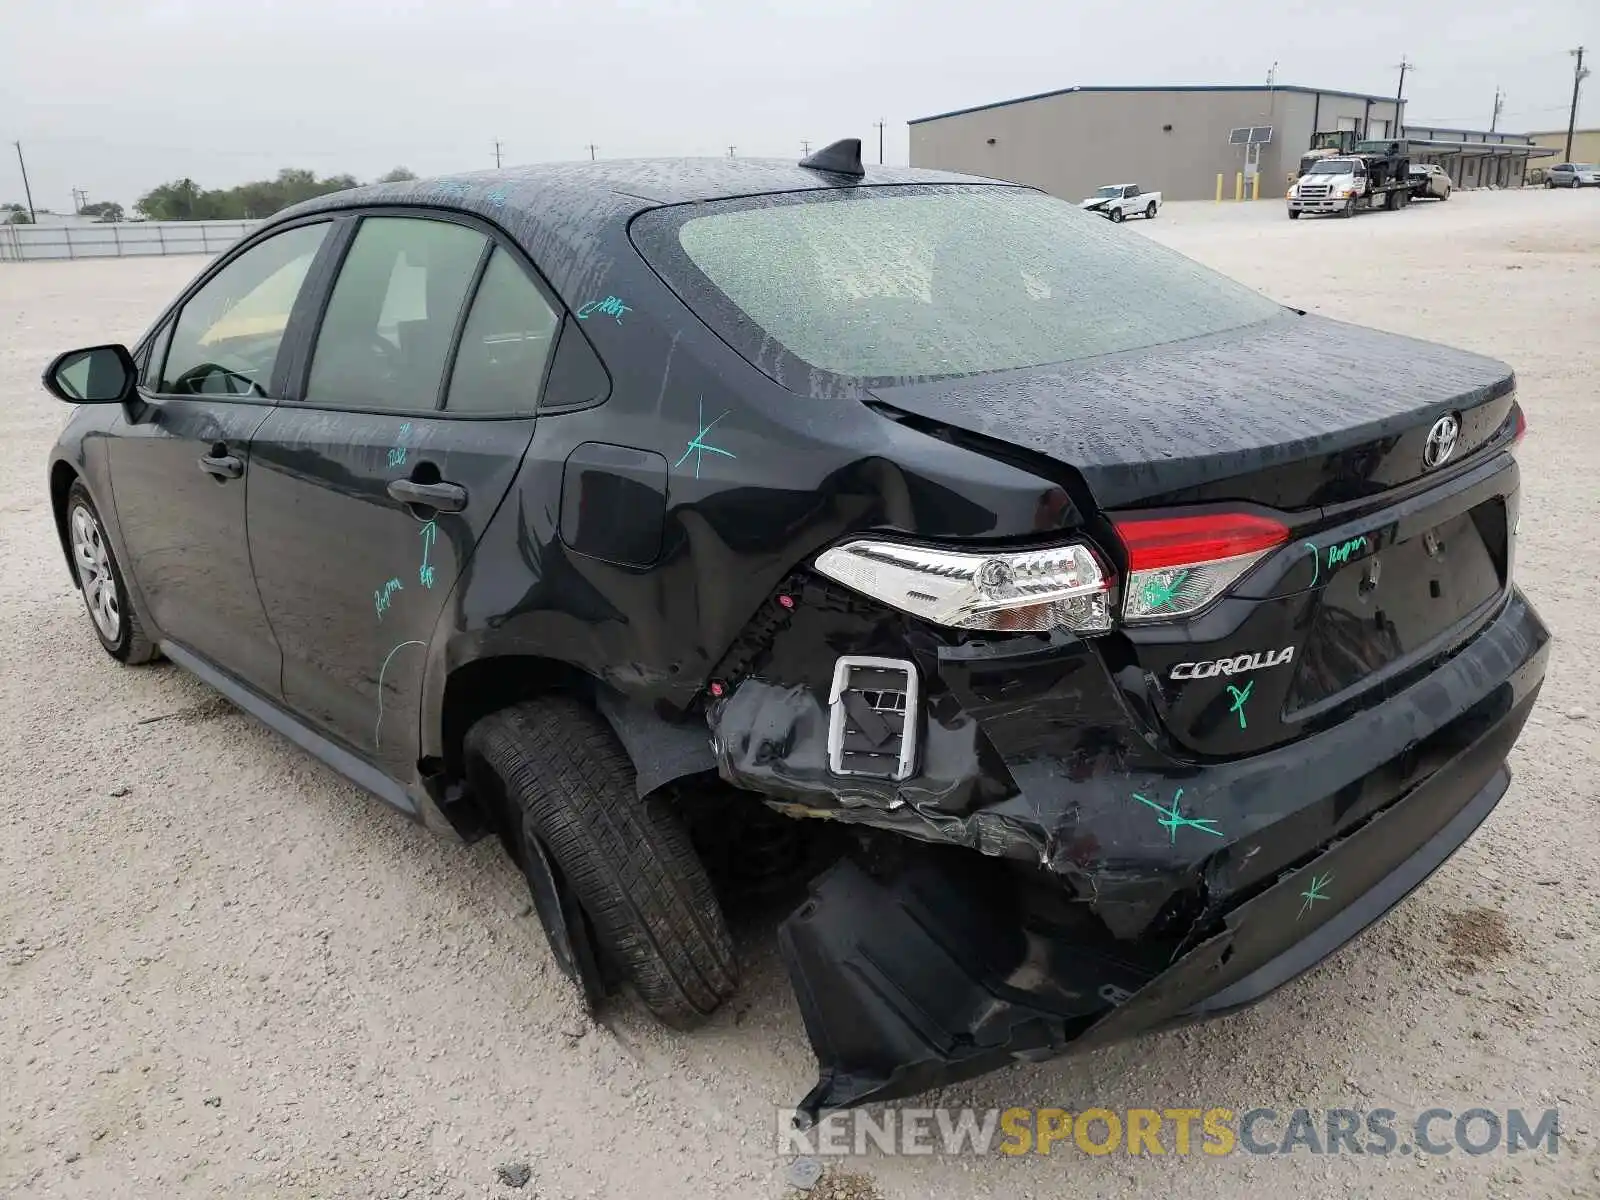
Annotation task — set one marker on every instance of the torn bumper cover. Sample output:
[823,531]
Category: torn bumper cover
[947,966]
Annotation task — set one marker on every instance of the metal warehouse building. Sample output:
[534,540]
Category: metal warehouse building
[1172,139]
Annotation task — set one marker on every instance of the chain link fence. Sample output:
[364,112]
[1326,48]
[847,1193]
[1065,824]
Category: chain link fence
[19,243]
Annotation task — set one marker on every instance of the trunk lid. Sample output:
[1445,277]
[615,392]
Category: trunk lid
[1289,413]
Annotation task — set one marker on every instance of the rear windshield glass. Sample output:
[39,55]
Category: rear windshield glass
[890,283]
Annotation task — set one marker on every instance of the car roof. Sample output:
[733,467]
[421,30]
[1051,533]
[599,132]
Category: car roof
[568,216]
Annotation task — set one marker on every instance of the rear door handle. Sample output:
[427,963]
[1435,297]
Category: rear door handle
[222,466]
[442,497]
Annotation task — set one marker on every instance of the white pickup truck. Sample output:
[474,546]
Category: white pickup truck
[1120,201]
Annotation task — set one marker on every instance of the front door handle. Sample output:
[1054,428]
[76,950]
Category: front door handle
[222,466]
[442,497]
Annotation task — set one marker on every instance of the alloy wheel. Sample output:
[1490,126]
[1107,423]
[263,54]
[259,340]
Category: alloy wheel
[95,576]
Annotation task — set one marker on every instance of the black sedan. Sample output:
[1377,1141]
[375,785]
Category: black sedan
[1135,672]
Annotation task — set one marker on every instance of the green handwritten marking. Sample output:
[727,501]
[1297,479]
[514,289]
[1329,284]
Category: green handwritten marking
[1173,820]
[383,597]
[1316,562]
[1239,698]
[1314,893]
[378,728]
[429,533]
[1342,553]
[1158,594]
[397,456]
[610,306]
[699,447]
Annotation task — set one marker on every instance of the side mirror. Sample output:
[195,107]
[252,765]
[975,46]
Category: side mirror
[96,375]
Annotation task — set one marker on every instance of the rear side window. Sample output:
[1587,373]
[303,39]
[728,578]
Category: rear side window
[505,344]
[889,283]
[386,336]
[227,337]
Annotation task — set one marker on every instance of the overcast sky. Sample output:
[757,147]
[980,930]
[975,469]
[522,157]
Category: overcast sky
[115,96]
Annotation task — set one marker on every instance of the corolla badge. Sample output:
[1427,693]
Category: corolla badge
[1441,443]
[1236,665]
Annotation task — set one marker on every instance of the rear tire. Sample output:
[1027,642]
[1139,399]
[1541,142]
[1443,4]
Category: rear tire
[105,593]
[1117,216]
[1150,211]
[568,783]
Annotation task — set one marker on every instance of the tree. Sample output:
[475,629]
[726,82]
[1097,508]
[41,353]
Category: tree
[184,200]
[19,216]
[398,175]
[109,211]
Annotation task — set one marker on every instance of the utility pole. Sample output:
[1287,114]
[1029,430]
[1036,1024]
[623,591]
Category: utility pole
[731,149]
[1400,96]
[805,147]
[1578,76]
[1272,74]
[591,148]
[80,197]
[27,192]
[880,142]
[497,154]
[1499,103]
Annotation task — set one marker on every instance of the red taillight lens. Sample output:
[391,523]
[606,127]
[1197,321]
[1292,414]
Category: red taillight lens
[1178,565]
[1521,426]
[1179,541]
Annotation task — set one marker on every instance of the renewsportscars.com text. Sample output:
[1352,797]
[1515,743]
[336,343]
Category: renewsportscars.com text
[1213,1132]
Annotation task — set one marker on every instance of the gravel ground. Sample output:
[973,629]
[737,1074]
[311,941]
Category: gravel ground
[224,970]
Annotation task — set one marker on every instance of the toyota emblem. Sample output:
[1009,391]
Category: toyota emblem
[1441,443]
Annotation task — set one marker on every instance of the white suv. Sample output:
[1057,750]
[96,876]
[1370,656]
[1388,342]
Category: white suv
[1573,175]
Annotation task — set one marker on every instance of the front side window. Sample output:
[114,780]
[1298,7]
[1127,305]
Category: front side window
[889,283]
[386,336]
[227,337]
[504,345]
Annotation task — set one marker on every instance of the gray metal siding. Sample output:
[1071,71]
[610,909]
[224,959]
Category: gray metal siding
[1073,142]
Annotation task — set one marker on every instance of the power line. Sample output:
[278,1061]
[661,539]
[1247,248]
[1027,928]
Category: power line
[27,191]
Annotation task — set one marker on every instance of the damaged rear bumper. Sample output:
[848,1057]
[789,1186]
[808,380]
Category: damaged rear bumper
[950,966]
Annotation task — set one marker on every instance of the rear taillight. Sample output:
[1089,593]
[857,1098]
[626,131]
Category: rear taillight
[1178,565]
[1521,426]
[1061,587]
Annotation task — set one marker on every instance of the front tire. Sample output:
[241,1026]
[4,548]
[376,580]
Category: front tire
[105,593]
[1349,209]
[568,784]
[1117,216]
[1294,214]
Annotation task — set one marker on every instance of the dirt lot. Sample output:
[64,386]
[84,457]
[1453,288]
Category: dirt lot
[225,971]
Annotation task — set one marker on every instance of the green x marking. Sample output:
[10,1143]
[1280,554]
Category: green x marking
[1158,594]
[1239,698]
[1314,893]
[1173,820]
